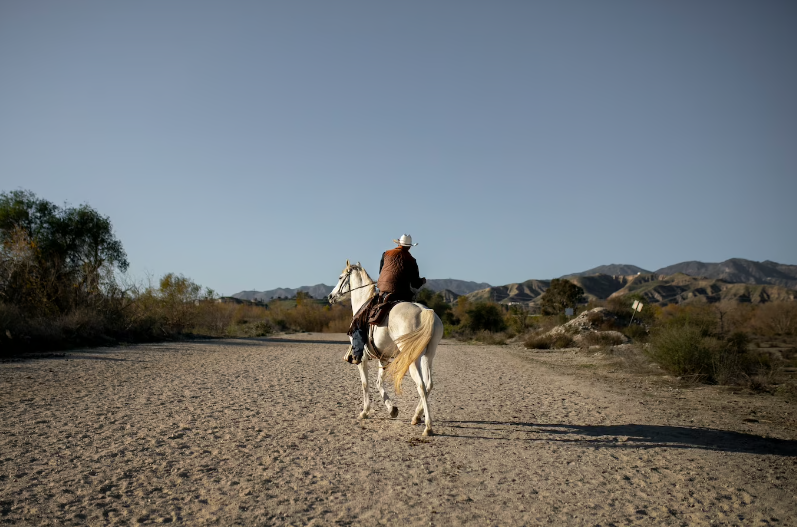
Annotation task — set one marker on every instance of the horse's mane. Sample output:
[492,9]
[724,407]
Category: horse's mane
[365,279]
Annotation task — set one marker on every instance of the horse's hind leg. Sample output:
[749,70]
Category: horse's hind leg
[363,367]
[385,398]
[424,405]
[426,372]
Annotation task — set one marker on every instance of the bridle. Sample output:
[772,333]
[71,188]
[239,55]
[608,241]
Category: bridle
[348,282]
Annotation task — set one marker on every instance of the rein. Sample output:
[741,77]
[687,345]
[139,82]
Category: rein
[348,281]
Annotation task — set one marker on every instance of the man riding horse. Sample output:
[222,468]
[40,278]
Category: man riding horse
[398,276]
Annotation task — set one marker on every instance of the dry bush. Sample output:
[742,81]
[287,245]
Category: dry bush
[700,316]
[549,341]
[683,350]
[494,338]
[547,323]
[338,325]
[775,318]
[633,359]
[600,338]
[595,318]
[538,342]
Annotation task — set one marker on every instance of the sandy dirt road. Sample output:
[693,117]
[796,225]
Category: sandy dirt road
[264,432]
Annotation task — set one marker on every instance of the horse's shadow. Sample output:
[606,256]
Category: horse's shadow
[631,436]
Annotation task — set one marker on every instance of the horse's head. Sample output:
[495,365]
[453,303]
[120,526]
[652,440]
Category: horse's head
[343,286]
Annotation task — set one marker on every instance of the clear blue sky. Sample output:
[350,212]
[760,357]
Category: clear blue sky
[252,145]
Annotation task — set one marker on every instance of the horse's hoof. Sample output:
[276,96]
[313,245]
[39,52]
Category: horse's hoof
[414,422]
[394,412]
[362,416]
[428,432]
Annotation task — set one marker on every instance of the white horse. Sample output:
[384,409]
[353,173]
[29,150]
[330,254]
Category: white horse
[406,340]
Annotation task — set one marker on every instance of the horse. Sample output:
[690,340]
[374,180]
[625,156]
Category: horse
[405,341]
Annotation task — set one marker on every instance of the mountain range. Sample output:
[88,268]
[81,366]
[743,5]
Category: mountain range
[737,280]
[739,270]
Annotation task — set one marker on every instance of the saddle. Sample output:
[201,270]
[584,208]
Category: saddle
[371,314]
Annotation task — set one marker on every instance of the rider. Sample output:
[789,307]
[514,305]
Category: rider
[398,271]
[398,275]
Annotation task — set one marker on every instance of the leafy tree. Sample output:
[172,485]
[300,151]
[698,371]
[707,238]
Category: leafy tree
[301,296]
[71,253]
[560,295]
[485,316]
[521,316]
[435,301]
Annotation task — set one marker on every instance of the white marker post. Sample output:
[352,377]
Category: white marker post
[637,307]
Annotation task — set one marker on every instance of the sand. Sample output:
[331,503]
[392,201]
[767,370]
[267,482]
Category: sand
[264,432]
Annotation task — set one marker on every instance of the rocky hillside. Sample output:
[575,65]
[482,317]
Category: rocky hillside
[739,270]
[732,280]
[681,288]
[675,289]
[525,292]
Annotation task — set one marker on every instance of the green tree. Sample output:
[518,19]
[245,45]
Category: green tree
[72,252]
[560,295]
[435,301]
[485,316]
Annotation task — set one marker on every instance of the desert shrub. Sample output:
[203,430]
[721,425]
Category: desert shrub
[488,337]
[703,317]
[562,340]
[549,341]
[538,341]
[338,325]
[738,342]
[600,338]
[595,318]
[683,350]
[547,323]
[775,318]
[635,332]
[687,351]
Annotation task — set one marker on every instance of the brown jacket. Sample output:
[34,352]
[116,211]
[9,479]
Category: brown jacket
[397,272]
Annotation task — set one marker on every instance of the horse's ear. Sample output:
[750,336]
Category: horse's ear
[358,264]
[347,263]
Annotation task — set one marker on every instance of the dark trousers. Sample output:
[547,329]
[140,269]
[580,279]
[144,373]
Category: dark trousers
[358,338]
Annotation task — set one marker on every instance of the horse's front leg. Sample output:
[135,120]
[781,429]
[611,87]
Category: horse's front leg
[363,367]
[416,376]
[385,398]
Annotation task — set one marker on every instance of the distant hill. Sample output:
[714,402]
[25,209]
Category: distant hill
[449,296]
[736,280]
[739,270]
[612,270]
[460,287]
[596,287]
[316,291]
[681,288]
[525,292]
[455,287]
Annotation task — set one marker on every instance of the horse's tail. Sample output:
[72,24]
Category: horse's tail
[410,348]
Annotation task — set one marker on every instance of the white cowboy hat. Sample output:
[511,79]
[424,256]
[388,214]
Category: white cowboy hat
[405,241]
